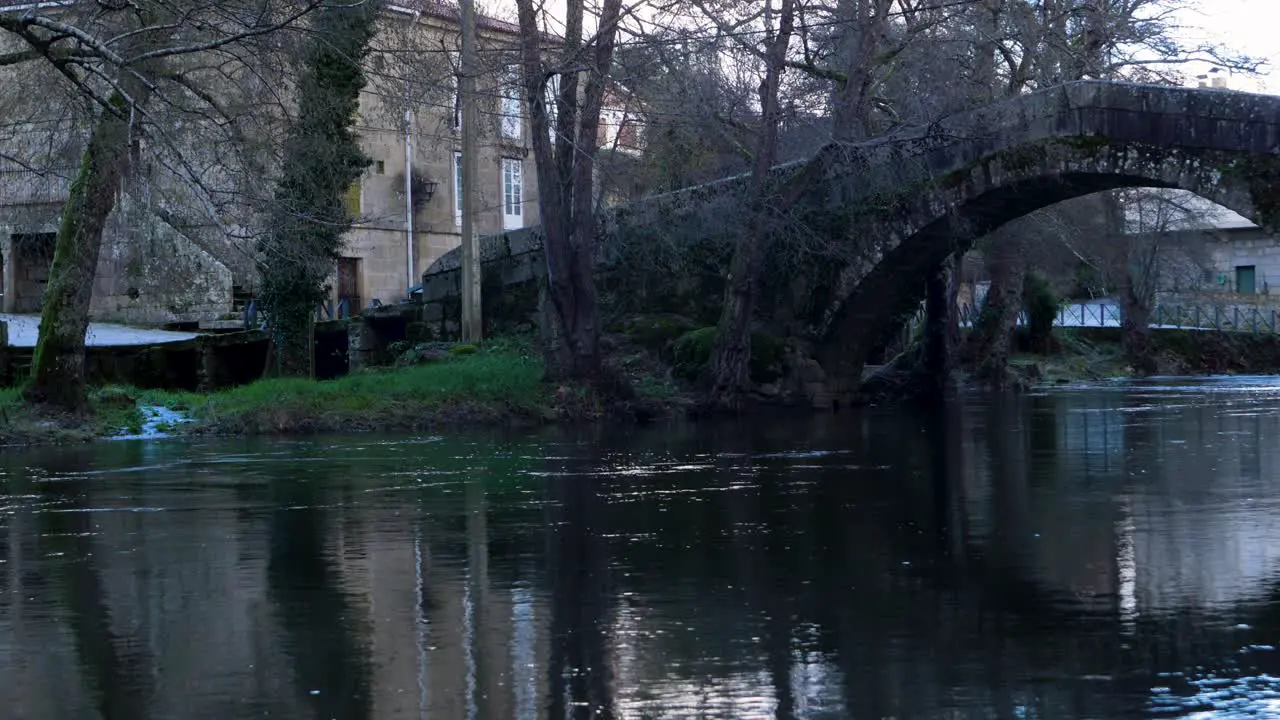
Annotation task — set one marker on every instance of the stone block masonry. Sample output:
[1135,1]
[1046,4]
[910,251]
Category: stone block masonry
[874,219]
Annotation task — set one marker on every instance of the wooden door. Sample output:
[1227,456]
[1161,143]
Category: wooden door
[349,283]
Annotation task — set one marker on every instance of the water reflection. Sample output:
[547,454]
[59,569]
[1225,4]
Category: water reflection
[1091,553]
[319,631]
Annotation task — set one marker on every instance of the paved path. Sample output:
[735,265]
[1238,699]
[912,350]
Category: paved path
[23,330]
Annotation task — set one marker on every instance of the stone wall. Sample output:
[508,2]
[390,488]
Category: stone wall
[148,273]
[1256,248]
[865,223]
[156,275]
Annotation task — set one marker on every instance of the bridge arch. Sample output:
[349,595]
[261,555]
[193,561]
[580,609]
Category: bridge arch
[910,202]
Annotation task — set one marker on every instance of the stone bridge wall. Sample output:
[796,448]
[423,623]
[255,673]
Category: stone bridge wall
[667,253]
[871,220]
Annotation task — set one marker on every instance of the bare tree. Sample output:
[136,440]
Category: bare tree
[1039,44]
[731,353]
[138,66]
[575,74]
[1147,253]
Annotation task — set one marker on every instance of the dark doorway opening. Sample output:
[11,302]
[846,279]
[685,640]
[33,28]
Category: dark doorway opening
[31,257]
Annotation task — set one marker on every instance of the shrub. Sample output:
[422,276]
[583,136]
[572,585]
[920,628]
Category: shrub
[656,332]
[691,352]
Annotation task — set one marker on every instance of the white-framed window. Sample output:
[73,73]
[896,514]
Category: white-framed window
[457,189]
[512,194]
[455,77]
[511,120]
[553,97]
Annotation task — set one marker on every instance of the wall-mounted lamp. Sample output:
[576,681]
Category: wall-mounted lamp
[428,190]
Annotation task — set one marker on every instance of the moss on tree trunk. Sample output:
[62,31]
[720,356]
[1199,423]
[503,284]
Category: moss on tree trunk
[991,339]
[57,368]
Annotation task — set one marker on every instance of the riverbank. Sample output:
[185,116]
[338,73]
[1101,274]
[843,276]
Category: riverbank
[484,387]
[1091,354]
[443,386]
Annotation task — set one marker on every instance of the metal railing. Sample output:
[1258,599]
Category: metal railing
[343,309]
[1165,316]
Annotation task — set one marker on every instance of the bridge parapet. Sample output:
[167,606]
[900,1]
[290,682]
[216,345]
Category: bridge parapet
[891,209]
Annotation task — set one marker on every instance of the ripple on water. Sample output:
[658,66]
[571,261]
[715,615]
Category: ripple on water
[1221,698]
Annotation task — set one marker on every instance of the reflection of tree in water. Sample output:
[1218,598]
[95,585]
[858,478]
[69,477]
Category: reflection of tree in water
[331,662]
[116,668]
[580,668]
[850,580]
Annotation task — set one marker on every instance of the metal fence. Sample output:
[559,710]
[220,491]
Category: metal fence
[344,308]
[1168,316]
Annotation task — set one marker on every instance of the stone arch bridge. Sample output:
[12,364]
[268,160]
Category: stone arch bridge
[871,222]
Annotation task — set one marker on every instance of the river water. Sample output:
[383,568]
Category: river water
[1110,551]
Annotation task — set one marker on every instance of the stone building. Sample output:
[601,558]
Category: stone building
[155,269]
[391,245]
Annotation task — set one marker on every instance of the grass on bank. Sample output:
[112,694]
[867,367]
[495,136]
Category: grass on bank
[1076,359]
[112,411]
[498,380]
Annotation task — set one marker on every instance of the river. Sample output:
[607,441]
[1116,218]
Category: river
[1109,551]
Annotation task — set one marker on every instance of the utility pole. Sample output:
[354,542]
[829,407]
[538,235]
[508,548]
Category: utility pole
[472,327]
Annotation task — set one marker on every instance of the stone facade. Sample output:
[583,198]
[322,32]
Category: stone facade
[1246,261]
[154,270]
[147,275]
[148,271]
[379,244]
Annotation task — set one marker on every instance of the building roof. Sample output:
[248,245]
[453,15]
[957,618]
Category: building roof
[447,11]
[15,5]
[1202,214]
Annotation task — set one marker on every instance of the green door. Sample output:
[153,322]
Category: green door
[1246,283]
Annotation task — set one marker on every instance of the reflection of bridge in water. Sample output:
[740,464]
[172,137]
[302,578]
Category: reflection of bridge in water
[1012,556]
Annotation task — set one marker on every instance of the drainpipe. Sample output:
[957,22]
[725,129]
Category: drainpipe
[408,193]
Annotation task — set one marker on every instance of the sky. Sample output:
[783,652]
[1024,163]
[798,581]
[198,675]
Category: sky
[1251,27]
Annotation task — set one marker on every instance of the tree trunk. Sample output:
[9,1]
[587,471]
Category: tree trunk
[566,180]
[57,368]
[999,316]
[292,334]
[730,365]
[940,312]
[570,334]
[1136,331]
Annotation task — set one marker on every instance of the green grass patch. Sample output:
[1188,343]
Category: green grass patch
[498,380]
[493,380]
[21,424]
